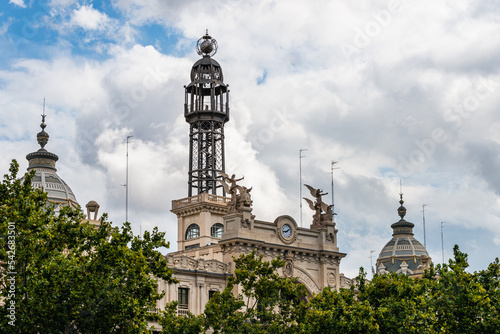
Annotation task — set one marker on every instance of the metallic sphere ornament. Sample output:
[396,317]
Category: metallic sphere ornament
[206,46]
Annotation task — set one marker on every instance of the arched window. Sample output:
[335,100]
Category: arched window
[217,230]
[193,231]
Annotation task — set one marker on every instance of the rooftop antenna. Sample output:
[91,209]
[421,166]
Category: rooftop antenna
[442,243]
[43,115]
[423,220]
[126,184]
[333,196]
[300,181]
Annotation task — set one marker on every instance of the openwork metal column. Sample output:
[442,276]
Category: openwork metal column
[206,109]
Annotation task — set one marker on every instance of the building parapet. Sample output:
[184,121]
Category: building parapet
[201,198]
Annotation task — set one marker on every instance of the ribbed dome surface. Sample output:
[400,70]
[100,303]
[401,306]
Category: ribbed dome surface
[401,248]
[58,192]
[403,253]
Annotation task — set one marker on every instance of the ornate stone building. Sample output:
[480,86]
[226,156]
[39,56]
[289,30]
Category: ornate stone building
[217,224]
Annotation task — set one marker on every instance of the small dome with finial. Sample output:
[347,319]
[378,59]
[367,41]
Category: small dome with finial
[43,163]
[403,253]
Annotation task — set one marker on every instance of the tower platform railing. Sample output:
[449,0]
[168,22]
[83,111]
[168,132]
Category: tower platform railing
[207,107]
[200,198]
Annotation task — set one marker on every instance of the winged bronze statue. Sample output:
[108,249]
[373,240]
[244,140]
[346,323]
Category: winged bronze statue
[316,193]
[318,205]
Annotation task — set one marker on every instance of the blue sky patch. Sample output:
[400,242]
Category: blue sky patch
[262,78]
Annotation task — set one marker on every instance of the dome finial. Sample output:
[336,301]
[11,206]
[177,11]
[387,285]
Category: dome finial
[42,136]
[401,209]
[42,158]
[206,46]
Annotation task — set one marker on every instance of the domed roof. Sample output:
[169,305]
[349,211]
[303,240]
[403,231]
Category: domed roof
[207,71]
[46,178]
[58,191]
[403,253]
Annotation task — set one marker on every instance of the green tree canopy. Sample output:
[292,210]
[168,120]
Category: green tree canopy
[268,302]
[334,311]
[60,275]
[466,302]
[64,276]
[446,299]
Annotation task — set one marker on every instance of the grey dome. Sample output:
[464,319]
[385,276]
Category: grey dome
[58,191]
[403,253]
[46,178]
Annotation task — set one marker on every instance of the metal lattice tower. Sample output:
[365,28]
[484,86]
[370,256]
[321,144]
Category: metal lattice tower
[206,109]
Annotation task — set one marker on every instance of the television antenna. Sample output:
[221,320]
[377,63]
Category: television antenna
[442,243]
[333,196]
[423,220]
[126,183]
[300,181]
[371,262]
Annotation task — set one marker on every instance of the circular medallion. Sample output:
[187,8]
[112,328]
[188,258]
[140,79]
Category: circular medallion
[332,281]
[286,229]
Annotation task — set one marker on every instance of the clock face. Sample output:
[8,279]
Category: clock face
[286,231]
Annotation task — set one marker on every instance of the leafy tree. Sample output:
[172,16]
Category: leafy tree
[65,276]
[334,311]
[401,304]
[179,324]
[490,280]
[465,302]
[268,303]
[59,275]
[445,299]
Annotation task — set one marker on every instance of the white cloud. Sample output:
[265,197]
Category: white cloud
[5,25]
[19,3]
[62,3]
[89,18]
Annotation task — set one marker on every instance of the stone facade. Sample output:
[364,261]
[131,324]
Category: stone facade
[205,260]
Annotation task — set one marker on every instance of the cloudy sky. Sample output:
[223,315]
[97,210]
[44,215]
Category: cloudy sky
[392,90]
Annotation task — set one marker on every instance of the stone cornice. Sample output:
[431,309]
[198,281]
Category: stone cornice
[239,245]
[200,207]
